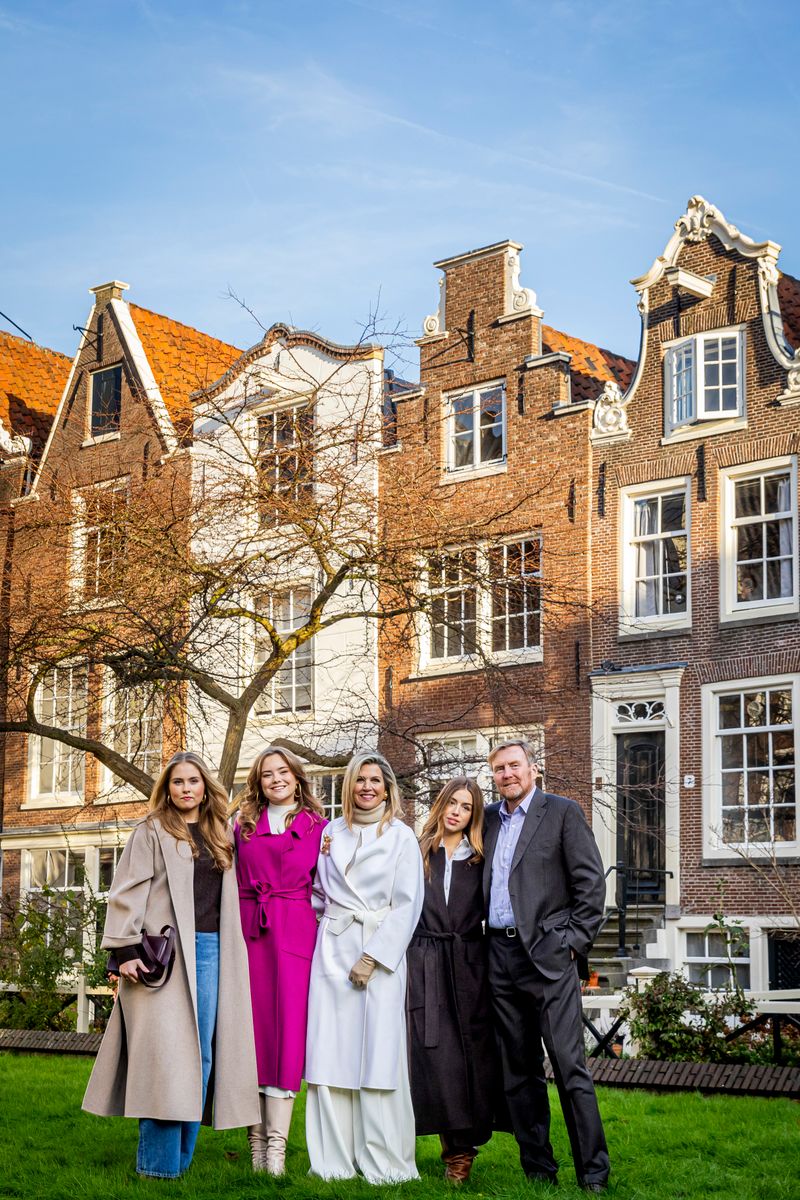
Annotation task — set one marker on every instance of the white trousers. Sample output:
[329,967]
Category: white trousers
[367,1130]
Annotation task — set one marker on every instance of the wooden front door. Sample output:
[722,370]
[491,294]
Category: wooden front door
[641,813]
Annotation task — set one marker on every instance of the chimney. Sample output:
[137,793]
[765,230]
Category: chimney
[109,291]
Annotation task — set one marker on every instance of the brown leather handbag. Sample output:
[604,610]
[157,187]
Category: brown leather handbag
[157,952]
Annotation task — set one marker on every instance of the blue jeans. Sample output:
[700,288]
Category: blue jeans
[166,1147]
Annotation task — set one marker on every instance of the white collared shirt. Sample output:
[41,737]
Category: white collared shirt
[462,851]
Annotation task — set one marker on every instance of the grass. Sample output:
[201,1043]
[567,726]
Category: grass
[661,1146]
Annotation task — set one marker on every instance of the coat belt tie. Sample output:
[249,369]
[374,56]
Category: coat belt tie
[430,976]
[263,892]
[341,917]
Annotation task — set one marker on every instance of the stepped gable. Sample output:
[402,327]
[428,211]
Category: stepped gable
[183,360]
[789,298]
[32,380]
[592,367]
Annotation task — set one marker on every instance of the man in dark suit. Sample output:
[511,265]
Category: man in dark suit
[544,892]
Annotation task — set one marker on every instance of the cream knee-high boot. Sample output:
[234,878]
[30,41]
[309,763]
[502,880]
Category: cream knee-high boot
[257,1137]
[277,1119]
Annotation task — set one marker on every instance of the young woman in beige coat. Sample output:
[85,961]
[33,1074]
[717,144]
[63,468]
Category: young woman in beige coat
[156,1057]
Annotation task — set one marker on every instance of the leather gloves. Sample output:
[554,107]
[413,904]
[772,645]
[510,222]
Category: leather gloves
[361,973]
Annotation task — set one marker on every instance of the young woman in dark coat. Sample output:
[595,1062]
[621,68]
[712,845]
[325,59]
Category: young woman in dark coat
[452,1048]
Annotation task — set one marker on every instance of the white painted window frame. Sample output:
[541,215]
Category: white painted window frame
[114,789]
[629,622]
[483,626]
[267,704]
[477,468]
[110,434]
[43,799]
[730,608]
[700,415]
[81,532]
[713,845]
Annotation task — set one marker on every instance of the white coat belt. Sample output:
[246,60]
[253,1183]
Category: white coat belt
[340,917]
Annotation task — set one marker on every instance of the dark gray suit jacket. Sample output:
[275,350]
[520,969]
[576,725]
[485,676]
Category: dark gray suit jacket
[556,884]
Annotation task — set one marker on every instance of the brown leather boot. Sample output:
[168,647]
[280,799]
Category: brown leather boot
[458,1165]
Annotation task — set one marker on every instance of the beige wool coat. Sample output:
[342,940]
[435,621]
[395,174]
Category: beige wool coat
[149,1060]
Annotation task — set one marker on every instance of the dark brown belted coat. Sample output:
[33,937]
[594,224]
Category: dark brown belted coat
[452,1054]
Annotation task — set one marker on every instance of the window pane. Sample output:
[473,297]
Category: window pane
[750,583]
[463,451]
[108,862]
[779,579]
[757,749]
[780,707]
[732,825]
[749,541]
[674,554]
[695,945]
[785,824]
[782,748]
[748,497]
[730,712]
[675,594]
[646,517]
[733,788]
[731,752]
[755,708]
[673,511]
[777,493]
[646,603]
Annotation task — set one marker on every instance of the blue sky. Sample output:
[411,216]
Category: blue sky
[316,157]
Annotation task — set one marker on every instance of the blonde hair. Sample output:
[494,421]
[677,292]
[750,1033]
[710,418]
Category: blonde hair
[213,819]
[394,805]
[254,802]
[433,829]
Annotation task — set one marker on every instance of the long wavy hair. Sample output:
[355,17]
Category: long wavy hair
[433,829]
[394,804]
[213,818]
[253,801]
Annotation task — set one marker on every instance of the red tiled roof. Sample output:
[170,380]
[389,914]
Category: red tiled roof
[32,379]
[789,299]
[181,358]
[591,366]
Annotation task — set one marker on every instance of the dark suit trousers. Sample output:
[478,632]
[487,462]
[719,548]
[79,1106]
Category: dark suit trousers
[529,1010]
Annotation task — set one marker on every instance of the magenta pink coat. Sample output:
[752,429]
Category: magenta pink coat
[275,873]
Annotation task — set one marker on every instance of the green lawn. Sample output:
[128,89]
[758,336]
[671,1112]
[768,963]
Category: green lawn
[661,1146]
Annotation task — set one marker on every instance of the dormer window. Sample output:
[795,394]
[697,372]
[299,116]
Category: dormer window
[106,402]
[704,378]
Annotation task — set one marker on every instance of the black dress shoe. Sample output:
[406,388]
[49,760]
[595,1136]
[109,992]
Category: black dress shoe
[541,1177]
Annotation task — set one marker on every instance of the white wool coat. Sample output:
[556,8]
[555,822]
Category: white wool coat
[149,1060]
[356,1035]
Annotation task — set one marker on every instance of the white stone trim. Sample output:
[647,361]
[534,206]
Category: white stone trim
[131,337]
[607,691]
[64,396]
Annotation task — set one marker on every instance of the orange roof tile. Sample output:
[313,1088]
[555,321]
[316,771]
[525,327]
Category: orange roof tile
[32,379]
[591,366]
[789,299]
[181,358]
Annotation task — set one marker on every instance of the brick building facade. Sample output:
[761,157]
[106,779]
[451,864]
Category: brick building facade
[117,425]
[609,551]
[696,643]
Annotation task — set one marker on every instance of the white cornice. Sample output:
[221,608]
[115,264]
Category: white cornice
[124,319]
[458,260]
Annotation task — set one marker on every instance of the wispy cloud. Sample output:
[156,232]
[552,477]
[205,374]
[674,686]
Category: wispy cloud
[319,99]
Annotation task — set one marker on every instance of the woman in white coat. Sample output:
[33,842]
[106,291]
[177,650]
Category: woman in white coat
[359,1116]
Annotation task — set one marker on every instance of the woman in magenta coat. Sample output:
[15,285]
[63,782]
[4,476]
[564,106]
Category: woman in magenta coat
[278,833]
